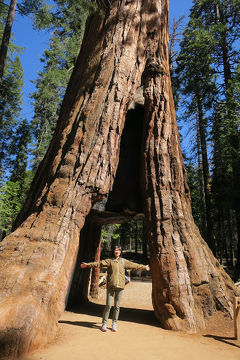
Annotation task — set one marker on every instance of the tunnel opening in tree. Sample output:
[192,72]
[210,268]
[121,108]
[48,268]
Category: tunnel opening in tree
[123,204]
[126,45]
[126,193]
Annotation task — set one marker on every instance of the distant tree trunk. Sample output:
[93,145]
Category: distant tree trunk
[232,126]
[145,242]
[231,243]
[233,135]
[206,175]
[184,292]
[126,47]
[6,36]
[202,205]
[136,237]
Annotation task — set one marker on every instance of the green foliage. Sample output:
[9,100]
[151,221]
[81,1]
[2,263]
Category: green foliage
[208,85]
[12,197]
[196,189]
[14,135]
[13,191]
[129,235]
[3,14]
[67,19]
[30,6]
[175,36]
[10,94]
[18,150]
[195,73]
[57,14]
[9,204]
[10,105]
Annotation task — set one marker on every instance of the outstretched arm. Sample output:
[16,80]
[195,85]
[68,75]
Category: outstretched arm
[133,266]
[83,265]
[102,263]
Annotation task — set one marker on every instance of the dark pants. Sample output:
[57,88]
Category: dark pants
[116,295]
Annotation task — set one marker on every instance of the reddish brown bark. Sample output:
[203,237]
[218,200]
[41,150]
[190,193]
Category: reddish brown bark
[126,47]
[88,250]
[188,283]
[38,258]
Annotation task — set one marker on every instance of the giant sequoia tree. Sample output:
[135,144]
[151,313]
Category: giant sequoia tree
[121,51]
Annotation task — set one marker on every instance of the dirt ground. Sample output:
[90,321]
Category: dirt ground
[139,337]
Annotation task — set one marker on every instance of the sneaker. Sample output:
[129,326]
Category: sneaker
[114,326]
[104,327]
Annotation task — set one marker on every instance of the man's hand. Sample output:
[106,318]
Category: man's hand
[83,265]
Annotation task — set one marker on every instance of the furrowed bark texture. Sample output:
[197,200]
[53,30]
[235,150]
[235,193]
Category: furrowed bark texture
[38,258]
[89,243]
[188,282]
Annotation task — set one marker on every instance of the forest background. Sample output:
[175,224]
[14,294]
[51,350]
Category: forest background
[204,62]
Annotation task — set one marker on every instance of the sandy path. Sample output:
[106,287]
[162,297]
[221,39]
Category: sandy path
[139,336]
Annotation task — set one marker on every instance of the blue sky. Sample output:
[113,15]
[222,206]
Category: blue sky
[178,8]
[35,42]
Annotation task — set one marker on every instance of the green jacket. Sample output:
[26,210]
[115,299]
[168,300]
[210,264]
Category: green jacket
[116,271]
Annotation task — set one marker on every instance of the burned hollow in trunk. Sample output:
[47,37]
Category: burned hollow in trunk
[122,49]
[123,204]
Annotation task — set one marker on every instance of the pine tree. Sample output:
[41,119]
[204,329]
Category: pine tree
[194,176]
[12,197]
[6,36]
[175,37]
[15,189]
[10,106]
[9,205]
[214,26]
[18,149]
[67,20]
[222,19]
[11,73]
[79,169]
[197,79]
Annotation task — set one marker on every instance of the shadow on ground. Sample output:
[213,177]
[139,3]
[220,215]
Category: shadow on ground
[225,339]
[126,314]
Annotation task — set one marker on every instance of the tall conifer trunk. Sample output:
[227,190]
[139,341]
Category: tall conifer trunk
[205,172]
[6,36]
[232,127]
[126,47]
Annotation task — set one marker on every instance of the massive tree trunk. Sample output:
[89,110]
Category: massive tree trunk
[126,47]
[188,282]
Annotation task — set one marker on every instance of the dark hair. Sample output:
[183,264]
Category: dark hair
[117,247]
